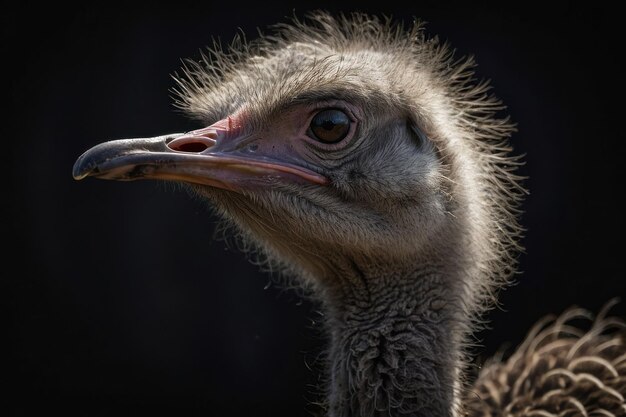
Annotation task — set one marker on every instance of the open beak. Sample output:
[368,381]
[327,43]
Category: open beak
[218,156]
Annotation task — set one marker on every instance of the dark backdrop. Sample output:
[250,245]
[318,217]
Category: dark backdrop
[121,302]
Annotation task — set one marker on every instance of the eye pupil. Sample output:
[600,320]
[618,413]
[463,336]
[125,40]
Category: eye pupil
[330,126]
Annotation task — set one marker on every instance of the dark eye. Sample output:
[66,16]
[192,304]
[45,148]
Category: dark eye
[330,126]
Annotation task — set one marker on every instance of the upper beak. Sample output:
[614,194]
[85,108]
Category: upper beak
[211,156]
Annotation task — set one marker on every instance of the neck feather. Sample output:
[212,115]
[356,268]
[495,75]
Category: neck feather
[396,342]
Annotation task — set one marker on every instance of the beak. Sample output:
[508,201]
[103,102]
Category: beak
[217,156]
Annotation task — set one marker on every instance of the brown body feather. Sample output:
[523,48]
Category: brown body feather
[560,370]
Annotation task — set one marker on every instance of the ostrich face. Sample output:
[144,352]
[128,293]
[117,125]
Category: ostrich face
[306,147]
[346,149]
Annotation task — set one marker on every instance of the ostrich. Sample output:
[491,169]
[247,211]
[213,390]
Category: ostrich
[366,162]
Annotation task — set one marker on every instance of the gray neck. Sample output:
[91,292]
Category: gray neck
[395,343]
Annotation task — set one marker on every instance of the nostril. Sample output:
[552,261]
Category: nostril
[190,147]
[191,144]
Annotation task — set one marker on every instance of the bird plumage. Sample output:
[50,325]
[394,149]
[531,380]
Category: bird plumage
[403,230]
[563,368]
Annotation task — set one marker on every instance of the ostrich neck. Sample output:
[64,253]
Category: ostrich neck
[395,341]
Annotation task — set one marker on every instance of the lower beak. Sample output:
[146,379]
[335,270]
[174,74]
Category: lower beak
[191,159]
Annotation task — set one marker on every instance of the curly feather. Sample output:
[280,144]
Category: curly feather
[559,370]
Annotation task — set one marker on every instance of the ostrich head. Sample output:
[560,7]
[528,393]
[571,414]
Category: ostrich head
[367,162]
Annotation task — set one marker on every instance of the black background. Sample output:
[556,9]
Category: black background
[120,301]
